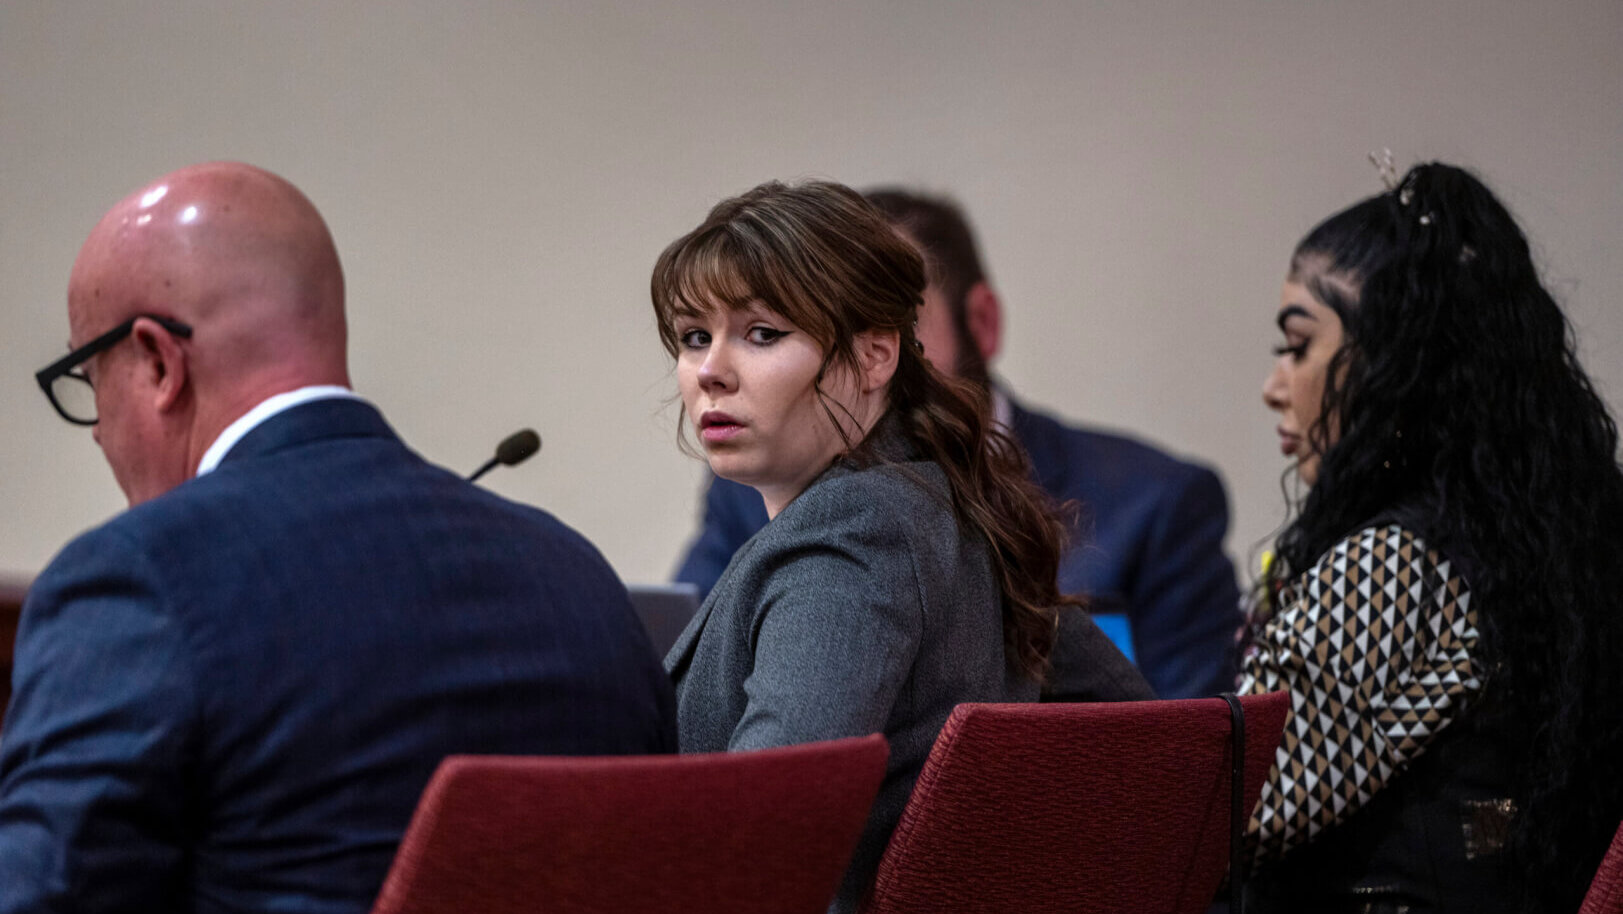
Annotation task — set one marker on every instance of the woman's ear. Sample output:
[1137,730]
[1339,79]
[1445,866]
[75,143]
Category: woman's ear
[877,352]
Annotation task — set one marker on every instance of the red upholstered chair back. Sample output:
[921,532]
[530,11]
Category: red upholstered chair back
[751,831]
[1606,891]
[1076,807]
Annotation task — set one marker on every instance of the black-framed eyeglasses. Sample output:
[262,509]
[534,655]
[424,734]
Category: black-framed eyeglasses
[68,387]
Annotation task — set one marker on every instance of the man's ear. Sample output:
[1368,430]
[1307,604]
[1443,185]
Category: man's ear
[983,317]
[164,369]
[877,352]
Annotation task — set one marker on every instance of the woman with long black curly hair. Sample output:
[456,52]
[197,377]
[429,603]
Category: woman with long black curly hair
[1445,607]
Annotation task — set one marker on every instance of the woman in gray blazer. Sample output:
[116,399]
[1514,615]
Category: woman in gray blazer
[910,563]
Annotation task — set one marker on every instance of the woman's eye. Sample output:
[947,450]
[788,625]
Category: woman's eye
[1295,352]
[695,339]
[765,336]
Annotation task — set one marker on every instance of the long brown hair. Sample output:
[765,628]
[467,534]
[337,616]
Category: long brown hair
[827,260]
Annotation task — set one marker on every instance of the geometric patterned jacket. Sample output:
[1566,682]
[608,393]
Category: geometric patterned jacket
[1375,644]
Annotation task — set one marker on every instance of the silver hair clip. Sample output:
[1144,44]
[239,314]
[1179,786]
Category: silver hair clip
[1385,167]
[1406,194]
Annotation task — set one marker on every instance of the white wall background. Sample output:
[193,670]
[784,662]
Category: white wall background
[501,175]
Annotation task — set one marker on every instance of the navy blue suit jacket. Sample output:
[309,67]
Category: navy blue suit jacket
[231,697]
[1149,546]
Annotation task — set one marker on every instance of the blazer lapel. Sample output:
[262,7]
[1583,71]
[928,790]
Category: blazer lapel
[681,653]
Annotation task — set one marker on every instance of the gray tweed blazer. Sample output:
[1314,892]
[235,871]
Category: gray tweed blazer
[862,608]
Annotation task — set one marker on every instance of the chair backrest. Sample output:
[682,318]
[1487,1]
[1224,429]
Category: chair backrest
[1116,808]
[1606,889]
[771,831]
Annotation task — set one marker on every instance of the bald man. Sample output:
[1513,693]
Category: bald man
[230,696]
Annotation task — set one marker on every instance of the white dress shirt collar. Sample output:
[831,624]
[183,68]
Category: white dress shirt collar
[251,419]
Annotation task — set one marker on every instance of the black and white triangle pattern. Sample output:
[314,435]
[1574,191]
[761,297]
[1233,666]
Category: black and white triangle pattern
[1374,644]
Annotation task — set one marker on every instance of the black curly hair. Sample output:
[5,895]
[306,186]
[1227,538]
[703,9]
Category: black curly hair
[1457,396]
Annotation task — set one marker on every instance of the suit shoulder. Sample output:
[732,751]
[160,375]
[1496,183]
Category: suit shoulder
[133,531]
[881,514]
[1115,454]
[853,536]
[561,534]
[888,496]
[443,490]
[113,541]
[726,490]
[115,561]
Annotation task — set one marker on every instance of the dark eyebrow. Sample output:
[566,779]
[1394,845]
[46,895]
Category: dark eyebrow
[1290,311]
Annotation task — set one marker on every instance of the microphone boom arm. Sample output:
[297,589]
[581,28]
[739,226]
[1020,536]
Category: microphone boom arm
[514,449]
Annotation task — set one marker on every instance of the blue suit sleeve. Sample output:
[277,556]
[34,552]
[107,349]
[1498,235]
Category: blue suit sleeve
[1185,604]
[732,514]
[93,759]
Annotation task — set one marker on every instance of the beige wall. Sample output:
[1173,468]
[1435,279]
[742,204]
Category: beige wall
[501,175]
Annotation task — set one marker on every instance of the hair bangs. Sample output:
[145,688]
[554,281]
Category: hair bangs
[694,276]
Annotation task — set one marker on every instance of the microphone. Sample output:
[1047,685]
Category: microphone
[514,449]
